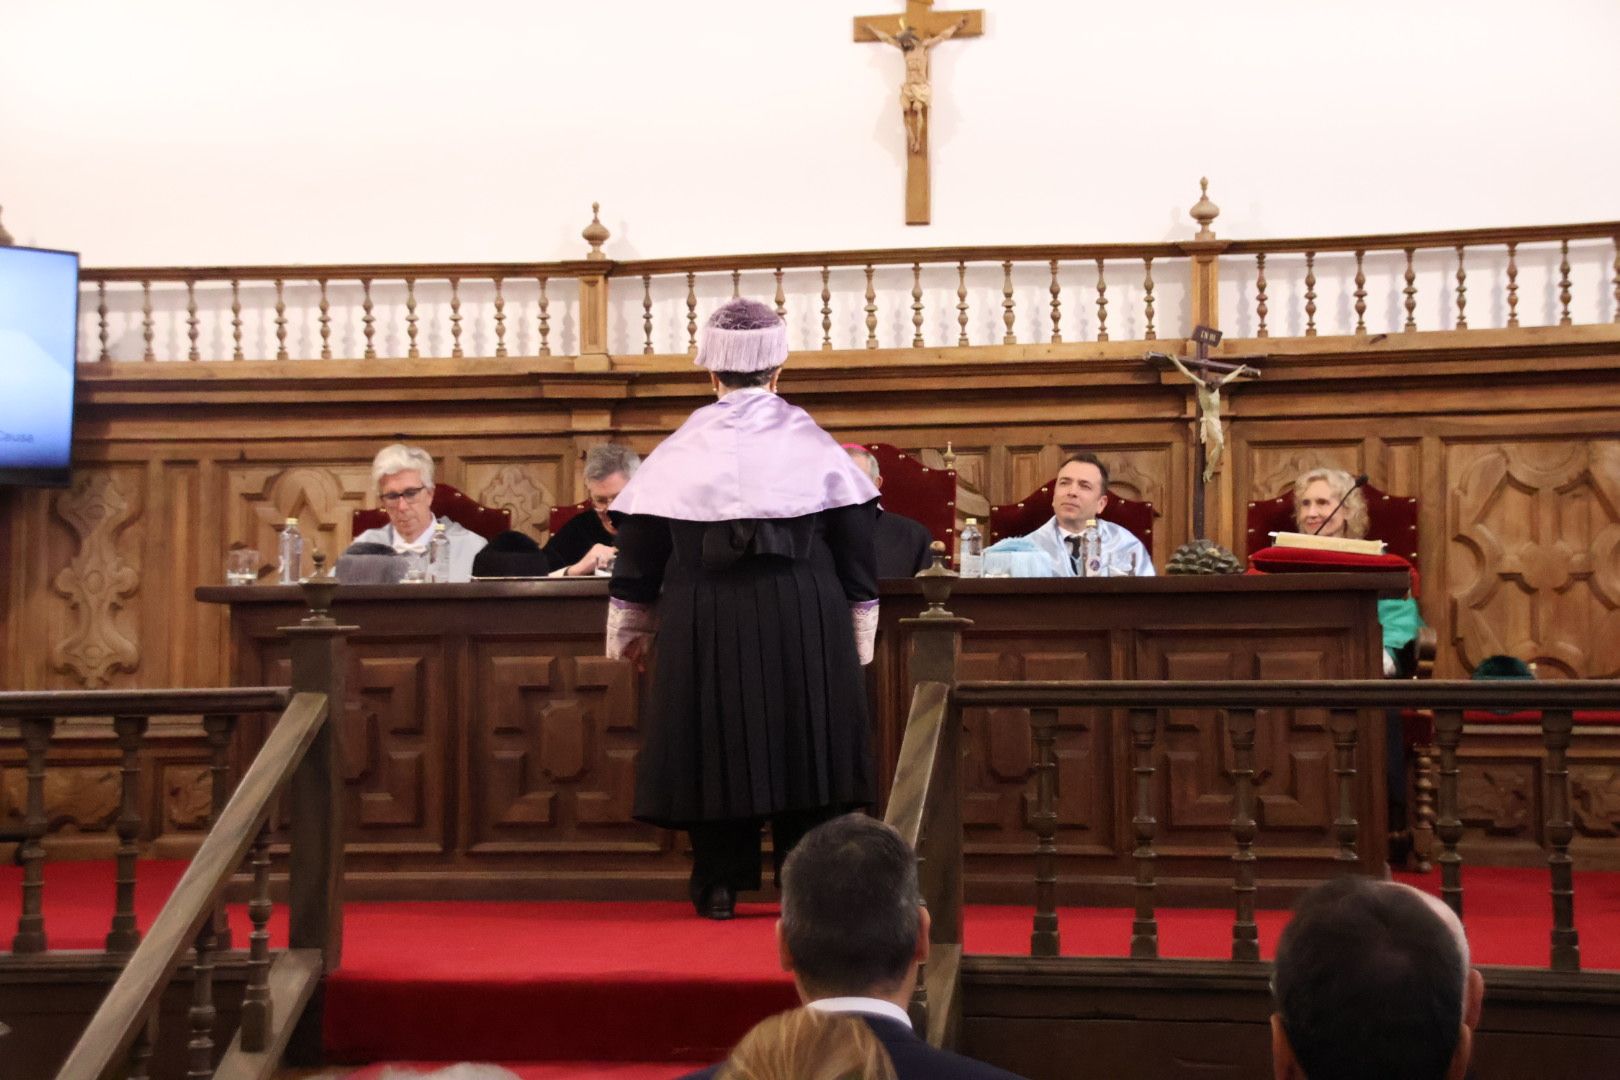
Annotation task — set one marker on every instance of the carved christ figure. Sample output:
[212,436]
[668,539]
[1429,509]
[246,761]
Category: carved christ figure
[1209,413]
[915,93]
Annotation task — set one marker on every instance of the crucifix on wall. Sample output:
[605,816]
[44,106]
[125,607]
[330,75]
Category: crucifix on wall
[914,33]
[1208,378]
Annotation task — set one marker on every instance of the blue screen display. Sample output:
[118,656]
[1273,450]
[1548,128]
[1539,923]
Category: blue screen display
[39,329]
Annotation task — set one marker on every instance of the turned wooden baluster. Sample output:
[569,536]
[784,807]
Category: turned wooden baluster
[781,297]
[281,322]
[1410,292]
[1566,945]
[368,320]
[30,937]
[124,936]
[1245,935]
[217,730]
[411,350]
[916,306]
[1423,814]
[1342,722]
[1563,282]
[140,1051]
[192,328]
[1361,295]
[1310,294]
[236,320]
[202,1012]
[1462,290]
[146,320]
[500,320]
[1057,305]
[326,322]
[691,312]
[736,284]
[871,311]
[101,319]
[1147,289]
[826,308]
[646,312]
[1044,939]
[257,1009]
[1007,303]
[1102,304]
[1145,928]
[1513,285]
[1616,280]
[1447,733]
[545,320]
[962,304]
[455,317]
[1260,308]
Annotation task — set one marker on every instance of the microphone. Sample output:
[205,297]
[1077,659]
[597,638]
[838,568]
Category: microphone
[1360,480]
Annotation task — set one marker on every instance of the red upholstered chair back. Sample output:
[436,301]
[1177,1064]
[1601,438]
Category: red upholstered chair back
[1031,512]
[919,492]
[447,502]
[1390,518]
[563,513]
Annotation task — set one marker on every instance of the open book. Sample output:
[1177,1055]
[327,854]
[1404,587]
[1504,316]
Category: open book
[1328,543]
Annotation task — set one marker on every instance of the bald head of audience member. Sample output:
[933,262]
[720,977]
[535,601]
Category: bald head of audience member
[1373,980]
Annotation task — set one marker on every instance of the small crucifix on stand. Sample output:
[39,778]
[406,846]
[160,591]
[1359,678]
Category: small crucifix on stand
[914,33]
[1208,376]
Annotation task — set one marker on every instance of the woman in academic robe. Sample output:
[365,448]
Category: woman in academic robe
[747,546]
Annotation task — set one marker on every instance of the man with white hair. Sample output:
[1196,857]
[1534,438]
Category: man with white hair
[404,478]
[1373,980]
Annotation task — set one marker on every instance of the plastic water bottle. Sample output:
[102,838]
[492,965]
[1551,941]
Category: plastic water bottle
[972,551]
[439,554]
[291,550]
[1091,551]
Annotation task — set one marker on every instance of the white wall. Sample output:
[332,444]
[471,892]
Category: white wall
[196,131]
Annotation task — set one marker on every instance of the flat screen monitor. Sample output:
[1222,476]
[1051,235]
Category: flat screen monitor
[39,341]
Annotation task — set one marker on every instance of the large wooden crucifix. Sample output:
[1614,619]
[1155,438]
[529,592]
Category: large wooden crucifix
[914,33]
[1208,377]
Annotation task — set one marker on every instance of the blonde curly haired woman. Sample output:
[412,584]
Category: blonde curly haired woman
[808,1044]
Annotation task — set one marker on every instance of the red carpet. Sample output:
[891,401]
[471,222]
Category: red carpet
[633,987]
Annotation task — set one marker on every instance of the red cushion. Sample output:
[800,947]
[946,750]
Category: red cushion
[1533,716]
[1290,560]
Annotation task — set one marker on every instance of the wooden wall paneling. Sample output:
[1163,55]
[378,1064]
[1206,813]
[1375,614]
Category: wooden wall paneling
[97,534]
[529,488]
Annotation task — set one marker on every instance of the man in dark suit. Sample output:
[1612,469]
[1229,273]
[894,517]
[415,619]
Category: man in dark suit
[586,542]
[852,933]
[902,542]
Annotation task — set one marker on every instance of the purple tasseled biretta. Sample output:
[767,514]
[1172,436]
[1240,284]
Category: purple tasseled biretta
[743,335]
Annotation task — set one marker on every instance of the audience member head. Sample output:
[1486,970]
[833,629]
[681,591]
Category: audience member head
[852,923]
[864,458]
[403,476]
[608,468]
[1373,981]
[804,1044]
[744,344]
[466,1070]
[1317,492]
[1080,491]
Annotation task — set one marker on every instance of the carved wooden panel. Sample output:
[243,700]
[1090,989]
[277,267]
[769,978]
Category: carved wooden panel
[1502,791]
[394,743]
[100,577]
[998,768]
[259,498]
[187,791]
[554,744]
[80,798]
[1273,467]
[1533,554]
[527,488]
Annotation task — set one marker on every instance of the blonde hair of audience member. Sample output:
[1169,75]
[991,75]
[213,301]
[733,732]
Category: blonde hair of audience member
[466,1070]
[1317,492]
[808,1044]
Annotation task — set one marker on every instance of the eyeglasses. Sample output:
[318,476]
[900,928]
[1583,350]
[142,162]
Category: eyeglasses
[391,497]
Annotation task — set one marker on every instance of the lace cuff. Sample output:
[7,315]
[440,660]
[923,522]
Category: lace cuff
[630,628]
[865,617]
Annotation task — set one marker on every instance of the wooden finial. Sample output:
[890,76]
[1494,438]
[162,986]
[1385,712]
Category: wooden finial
[596,233]
[5,237]
[950,455]
[936,584]
[1204,211]
[318,590]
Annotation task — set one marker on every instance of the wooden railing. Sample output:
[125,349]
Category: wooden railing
[918,298]
[925,804]
[300,760]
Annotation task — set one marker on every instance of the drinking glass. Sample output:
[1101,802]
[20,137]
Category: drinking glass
[241,566]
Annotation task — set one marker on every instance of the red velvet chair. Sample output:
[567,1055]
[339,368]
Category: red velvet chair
[1390,518]
[1030,513]
[447,502]
[919,492]
[563,513]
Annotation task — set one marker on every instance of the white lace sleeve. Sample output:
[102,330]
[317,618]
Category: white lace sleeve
[629,623]
[865,617]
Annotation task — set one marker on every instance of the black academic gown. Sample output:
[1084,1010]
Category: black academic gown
[758,705]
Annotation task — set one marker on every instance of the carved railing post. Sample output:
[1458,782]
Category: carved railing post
[1044,939]
[218,729]
[315,871]
[1556,725]
[1204,250]
[593,298]
[1145,929]
[936,642]
[1245,934]
[1343,725]
[124,936]
[1449,828]
[30,937]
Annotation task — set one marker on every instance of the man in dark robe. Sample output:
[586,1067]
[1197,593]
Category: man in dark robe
[586,541]
[747,545]
[902,542]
